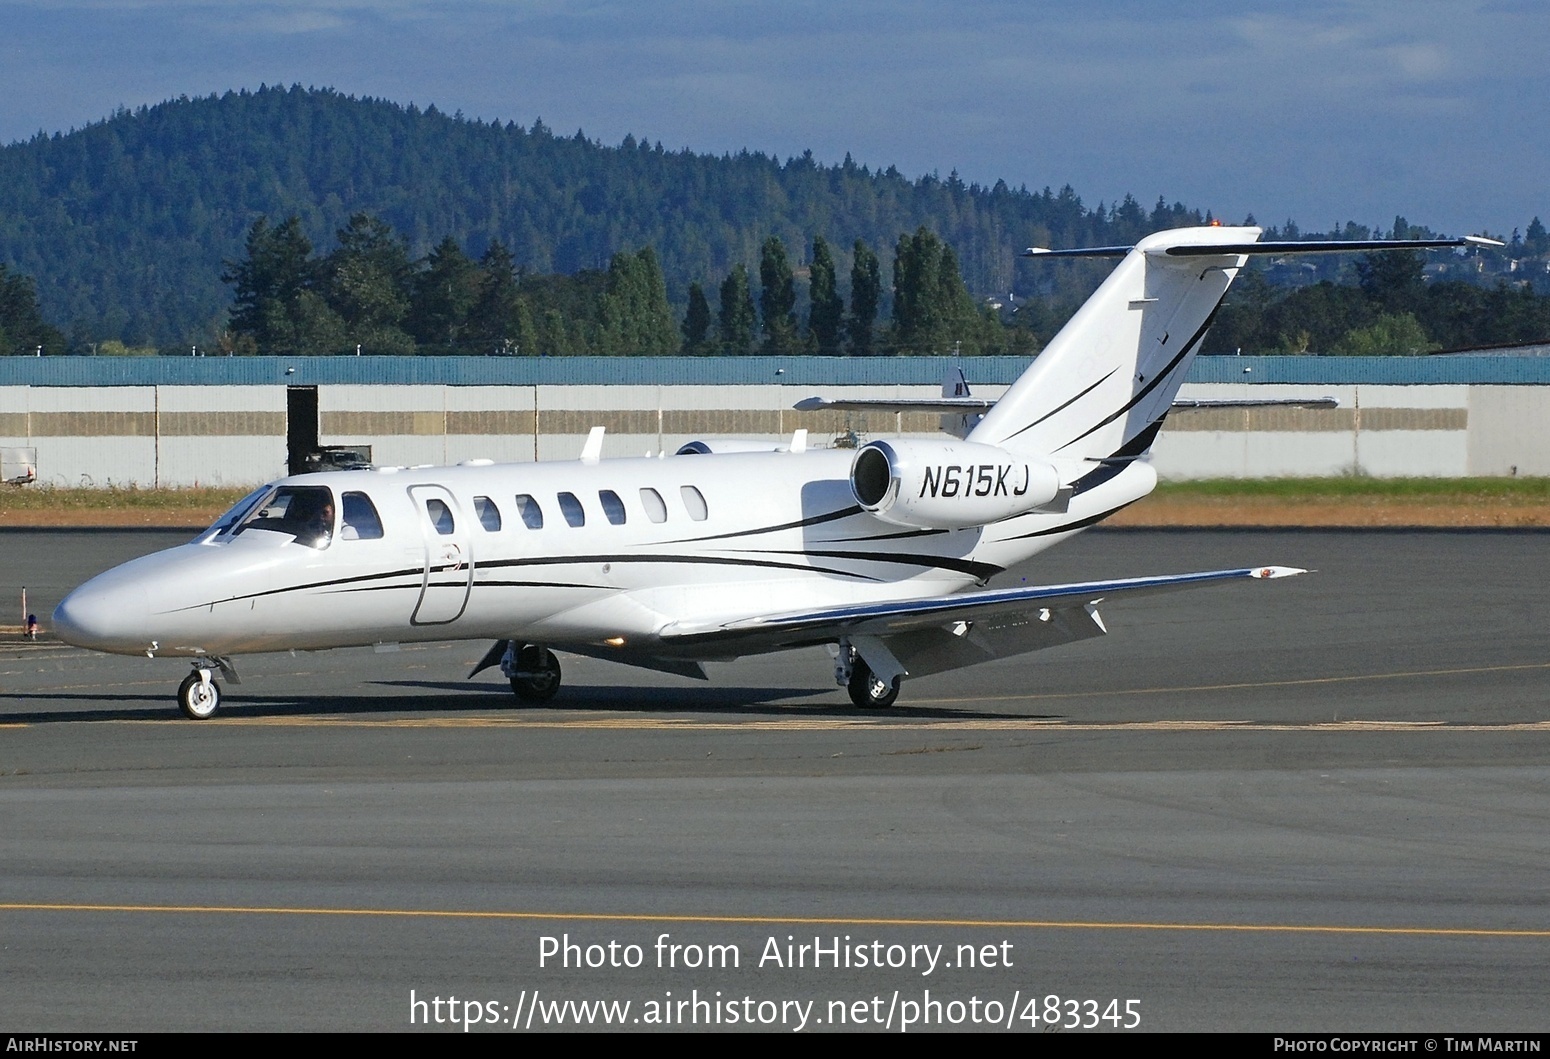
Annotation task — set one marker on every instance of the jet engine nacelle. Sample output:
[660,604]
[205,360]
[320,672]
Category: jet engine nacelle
[948,485]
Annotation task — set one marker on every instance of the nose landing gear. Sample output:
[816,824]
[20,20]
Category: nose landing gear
[199,696]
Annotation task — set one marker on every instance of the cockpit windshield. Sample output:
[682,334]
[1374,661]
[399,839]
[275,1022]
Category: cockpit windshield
[233,514]
[306,512]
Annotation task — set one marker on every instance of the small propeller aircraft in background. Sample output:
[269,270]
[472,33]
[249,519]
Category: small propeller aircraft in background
[728,548]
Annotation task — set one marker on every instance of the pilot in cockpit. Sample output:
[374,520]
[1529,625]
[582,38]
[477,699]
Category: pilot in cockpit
[305,512]
[320,529]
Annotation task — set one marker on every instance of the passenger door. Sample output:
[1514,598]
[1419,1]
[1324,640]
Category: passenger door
[449,560]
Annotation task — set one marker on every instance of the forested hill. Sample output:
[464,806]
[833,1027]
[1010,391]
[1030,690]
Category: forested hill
[124,225]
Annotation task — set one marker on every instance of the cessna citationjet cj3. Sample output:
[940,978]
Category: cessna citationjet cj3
[722,551]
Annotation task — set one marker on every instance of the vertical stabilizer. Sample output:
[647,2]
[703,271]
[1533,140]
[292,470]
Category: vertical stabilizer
[955,385]
[1102,386]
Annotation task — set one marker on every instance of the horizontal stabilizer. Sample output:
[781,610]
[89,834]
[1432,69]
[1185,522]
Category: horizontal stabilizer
[1081,251]
[1334,246]
[1329,246]
[949,405]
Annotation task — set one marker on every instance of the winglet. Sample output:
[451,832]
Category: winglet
[1268,572]
[592,451]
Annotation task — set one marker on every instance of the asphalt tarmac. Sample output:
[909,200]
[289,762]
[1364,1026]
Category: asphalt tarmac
[1311,804]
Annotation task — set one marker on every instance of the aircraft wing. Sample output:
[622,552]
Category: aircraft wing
[887,619]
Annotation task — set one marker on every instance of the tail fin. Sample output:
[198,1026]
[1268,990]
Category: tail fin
[1101,388]
[955,386]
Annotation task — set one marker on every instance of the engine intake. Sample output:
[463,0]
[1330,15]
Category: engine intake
[955,485]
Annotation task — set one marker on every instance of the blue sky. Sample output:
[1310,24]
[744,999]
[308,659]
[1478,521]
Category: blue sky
[1322,111]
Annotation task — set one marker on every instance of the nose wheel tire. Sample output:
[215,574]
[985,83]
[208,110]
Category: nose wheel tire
[199,699]
[868,691]
[538,674]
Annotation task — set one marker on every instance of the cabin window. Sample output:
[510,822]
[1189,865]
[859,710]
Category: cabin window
[571,508]
[656,509]
[359,521]
[306,512]
[613,507]
[532,514]
[441,516]
[694,503]
[489,514]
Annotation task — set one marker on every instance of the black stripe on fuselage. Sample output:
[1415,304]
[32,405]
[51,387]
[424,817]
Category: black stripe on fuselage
[460,584]
[676,559]
[1068,527]
[1126,452]
[1157,380]
[1062,407]
[418,573]
[937,562]
[901,535]
[815,520]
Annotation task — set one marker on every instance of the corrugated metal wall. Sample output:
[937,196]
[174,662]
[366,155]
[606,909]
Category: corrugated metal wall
[185,421]
[1498,370]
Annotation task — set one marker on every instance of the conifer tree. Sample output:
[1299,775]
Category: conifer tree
[367,284]
[827,311]
[278,306]
[22,327]
[777,298]
[932,309]
[1536,240]
[635,316]
[492,320]
[444,294]
[737,316]
[866,291]
[696,326]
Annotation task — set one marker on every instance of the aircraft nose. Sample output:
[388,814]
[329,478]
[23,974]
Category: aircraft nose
[104,616]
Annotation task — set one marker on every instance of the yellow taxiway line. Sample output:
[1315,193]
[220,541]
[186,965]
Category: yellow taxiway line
[782,921]
[685,724]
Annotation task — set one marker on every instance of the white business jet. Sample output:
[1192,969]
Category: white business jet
[727,548]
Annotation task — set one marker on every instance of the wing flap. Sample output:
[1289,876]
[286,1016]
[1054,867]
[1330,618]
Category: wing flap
[894,617]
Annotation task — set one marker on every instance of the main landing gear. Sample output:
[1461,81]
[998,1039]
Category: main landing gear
[867,690]
[533,670]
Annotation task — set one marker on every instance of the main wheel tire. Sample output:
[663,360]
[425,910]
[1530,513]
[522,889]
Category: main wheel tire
[541,674]
[868,691]
[199,700]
